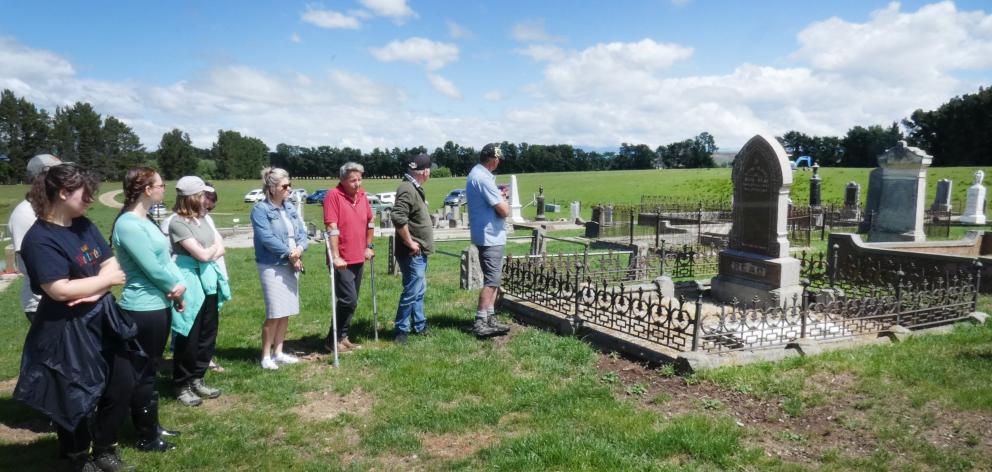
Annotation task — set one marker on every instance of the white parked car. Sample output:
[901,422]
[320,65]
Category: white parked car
[387,198]
[255,195]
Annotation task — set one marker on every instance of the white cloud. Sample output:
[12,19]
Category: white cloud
[295,37]
[493,96]
[458,31]
[529,31]
[395,9]
[330,19]
[431,54]
[542,52]
[444,86]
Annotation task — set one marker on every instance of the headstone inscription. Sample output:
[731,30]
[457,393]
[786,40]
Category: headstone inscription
[942,201]
[756,262]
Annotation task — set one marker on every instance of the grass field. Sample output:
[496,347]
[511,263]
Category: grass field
[534,400]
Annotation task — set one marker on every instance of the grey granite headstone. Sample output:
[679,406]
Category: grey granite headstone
[756,262]
[852,202]
[942,201]
[874,196]
[903,188]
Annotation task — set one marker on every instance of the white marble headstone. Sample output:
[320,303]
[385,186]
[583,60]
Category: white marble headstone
[974,207]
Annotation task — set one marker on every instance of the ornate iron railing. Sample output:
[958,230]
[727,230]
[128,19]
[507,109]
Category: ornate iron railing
[867,297]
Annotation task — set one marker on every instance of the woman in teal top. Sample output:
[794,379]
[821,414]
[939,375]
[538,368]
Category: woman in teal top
[153,287]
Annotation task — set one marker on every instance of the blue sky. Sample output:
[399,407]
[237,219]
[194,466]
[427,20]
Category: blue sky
[404,72]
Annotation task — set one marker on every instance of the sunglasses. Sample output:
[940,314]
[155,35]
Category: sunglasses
[287,186]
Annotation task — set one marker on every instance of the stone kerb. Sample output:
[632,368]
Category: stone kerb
[757,261]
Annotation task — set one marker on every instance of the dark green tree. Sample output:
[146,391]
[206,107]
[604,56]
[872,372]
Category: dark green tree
[862,146]
[77,134]
[122,149]
[239,157]
[176,155]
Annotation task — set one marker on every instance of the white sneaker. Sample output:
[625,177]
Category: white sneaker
[283,358]
[269,363]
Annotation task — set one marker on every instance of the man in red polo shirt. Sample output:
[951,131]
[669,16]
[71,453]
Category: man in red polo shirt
[348,219]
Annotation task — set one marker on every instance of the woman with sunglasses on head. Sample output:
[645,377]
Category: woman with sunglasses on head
[280,239]
[77,366]
[196,248]
[154,285]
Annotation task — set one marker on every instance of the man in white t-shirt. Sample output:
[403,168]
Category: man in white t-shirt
[20,222]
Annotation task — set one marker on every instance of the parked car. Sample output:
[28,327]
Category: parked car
[387,198]
[255,195]
[317,196]
[299,194]
[376,203]
[456,197]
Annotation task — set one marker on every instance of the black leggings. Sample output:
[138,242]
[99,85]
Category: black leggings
[153,332]
[347,283]
[194,351]
[102,426]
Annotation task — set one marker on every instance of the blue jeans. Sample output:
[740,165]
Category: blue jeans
[414,269]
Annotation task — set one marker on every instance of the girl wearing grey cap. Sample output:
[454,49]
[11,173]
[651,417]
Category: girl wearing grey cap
[197,248]
[280,239]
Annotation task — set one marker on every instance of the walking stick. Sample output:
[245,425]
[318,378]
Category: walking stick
[334,298]
[375,306]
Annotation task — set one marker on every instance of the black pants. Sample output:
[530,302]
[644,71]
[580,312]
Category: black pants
[103,425]
[347,283]
[194,351]
[153,332]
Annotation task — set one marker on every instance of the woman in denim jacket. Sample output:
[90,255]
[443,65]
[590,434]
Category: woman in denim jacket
[280,239]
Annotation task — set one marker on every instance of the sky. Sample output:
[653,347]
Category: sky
[388,73]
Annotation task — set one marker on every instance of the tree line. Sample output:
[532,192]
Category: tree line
[957,133]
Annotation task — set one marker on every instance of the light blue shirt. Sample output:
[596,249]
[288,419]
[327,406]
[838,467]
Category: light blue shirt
[487,227]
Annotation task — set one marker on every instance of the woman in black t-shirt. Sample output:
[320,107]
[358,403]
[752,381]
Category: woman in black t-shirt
[77,364]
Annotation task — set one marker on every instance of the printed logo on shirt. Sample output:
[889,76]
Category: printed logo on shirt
[87,255]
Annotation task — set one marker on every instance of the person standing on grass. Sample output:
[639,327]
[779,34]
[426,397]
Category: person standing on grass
[20,222]
[209,203]
[79,357]
[415,236]
[348,220]
[280,239]
[154,285]
[196,250]
[487,212]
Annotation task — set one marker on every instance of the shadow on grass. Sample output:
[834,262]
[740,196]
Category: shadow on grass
[16,415]
[38,455]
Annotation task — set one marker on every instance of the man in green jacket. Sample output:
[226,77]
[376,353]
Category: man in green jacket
[415,236]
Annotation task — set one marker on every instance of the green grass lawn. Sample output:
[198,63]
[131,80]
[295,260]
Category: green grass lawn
[534,400]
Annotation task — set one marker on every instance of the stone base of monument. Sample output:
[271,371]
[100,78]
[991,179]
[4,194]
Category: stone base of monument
[876,236]
[972,219]
[744,276]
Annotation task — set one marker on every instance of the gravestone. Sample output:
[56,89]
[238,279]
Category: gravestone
[539,200]
[852,202]
[756,262]
[814,187]
[515,215]
[942,201]
[871,205]
[470,273]
[974,208]
[575,212]
[899,216]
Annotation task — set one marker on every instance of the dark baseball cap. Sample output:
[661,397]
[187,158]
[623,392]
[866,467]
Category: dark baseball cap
[418,162]
[491,151]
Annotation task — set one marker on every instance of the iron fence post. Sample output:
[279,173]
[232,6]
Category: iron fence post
[834,265]
[657,228]
[978,284]
[804,308]
[697,322]
[576,319]
[631,226]
[662,263]
[809,227]
[899,276]
[699,224]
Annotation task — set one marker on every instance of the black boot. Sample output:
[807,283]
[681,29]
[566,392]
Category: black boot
[161,431]
[107,460]
[81,462]
[146,425]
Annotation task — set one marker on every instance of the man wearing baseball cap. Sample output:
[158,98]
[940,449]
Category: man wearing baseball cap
[20,222]
[415,241]
[487,211]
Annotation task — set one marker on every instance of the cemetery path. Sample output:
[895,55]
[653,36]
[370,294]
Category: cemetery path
[109,199]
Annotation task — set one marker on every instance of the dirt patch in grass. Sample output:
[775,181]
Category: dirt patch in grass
[327,405]
[224,402]
[7,386]
[456,446]
[24,432]
[833,425]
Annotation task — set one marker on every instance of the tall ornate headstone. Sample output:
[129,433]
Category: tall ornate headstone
[974,208]
[756,262]
[814,187]
[942,201]
[515,215]
[899,216]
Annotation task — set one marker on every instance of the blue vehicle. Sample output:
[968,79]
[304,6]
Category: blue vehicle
[802,161]
[317,196]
